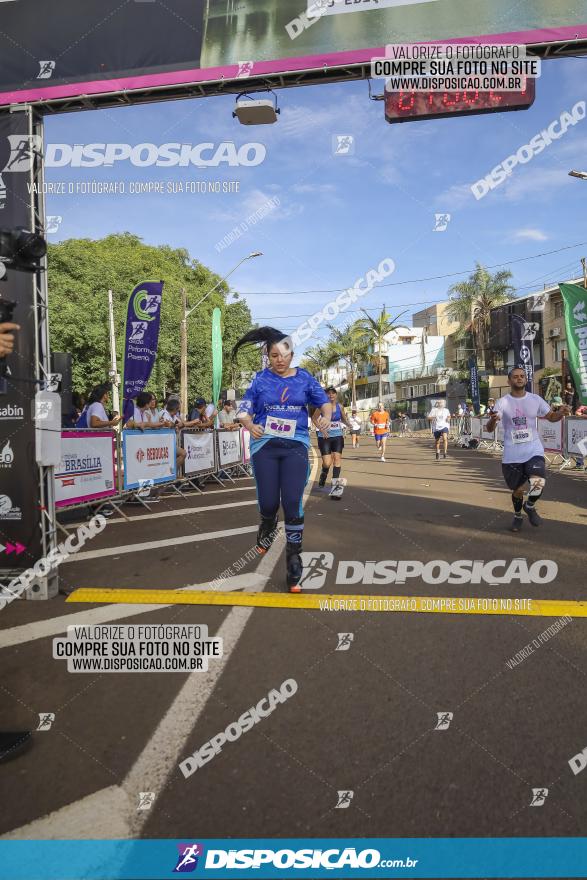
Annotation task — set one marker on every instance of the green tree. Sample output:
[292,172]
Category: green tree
[373,332]
[317,359]
[80,273]
[471,302]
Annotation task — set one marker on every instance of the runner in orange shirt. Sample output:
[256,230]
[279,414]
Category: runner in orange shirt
[380,421]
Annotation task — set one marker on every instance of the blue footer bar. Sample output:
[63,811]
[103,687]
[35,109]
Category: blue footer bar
[528,857]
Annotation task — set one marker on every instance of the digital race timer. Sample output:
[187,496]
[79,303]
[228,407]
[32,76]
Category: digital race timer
[405,106]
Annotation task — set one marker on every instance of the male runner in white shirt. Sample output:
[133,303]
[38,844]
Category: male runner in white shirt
[523,453]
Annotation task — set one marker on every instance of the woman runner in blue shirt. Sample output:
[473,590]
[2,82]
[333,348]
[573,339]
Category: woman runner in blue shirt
[275,411]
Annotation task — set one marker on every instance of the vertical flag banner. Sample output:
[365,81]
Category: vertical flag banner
[216,355]
[141,337]
[474,378]
[575,300]
[523,335]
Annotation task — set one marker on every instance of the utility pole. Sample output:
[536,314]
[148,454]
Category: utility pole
[183,380]
[114,377]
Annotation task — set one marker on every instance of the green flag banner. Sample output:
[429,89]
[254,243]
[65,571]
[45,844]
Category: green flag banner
[216,355]
[575,300]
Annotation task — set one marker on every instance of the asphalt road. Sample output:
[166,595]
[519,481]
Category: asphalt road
[362,720]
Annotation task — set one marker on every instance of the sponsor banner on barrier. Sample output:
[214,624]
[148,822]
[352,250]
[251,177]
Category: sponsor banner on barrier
[87,469]
[229,448]
[576,433]
[148,455]
[551,435]
[200,455]
[246,445]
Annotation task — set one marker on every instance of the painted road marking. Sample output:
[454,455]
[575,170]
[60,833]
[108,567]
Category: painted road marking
[154,545]
[42,629]
[185,512]
[113,814]
[418,604]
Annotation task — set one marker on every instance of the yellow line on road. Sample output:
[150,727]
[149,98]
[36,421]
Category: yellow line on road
[418,604]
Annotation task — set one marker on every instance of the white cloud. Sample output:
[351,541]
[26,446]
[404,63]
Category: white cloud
[530,235]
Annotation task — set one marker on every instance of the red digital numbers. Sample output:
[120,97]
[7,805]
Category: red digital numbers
[400,106]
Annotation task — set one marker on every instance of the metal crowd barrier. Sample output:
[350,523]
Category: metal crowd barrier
[107,467]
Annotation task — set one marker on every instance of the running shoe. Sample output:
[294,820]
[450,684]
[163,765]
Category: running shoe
[294,567]
[516,523]
[438,456]
[382,458]
[322,480]
[12,744]
[533,515]
[266,533]
[444,455]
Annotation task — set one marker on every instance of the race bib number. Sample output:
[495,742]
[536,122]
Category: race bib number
[334,426]
[275,427]
[521,435]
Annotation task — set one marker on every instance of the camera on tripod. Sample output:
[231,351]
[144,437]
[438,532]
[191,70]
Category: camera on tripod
[21,249]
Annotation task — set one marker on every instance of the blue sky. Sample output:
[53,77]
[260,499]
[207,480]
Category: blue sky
[339,216]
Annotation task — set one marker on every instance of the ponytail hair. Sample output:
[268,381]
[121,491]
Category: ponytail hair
[266,336]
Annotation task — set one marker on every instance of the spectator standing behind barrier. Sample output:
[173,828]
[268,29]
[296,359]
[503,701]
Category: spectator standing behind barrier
[202,414]
[570,396]
[490,406]
[171,418]
[142,415]
[94,414]
[227,415]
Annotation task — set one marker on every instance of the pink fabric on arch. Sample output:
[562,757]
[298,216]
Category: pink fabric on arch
[284,65]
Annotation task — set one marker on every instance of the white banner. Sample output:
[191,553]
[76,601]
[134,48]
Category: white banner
[148,456]
[500,434]
[229,448]
[86,470]
[551,435]
[476,427]
[576,433]
[199,452]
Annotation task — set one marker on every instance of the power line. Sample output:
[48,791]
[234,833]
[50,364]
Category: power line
[414,280]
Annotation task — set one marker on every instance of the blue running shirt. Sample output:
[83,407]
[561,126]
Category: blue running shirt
[335,424]
[270,396]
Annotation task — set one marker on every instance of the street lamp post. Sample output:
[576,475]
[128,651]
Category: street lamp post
[184,329]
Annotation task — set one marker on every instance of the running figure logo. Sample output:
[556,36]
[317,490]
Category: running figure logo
[245,68]
[444,719]
[344,641]
[146,800]
[46,69]
[343,144]
[441,222]
[187,861]
[46,719]
[344,800]
[316,565]
[539,795]
[23,149]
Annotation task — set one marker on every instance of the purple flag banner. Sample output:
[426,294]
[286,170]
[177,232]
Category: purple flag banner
[141,337]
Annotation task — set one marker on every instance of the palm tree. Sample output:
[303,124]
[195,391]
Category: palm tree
[319,358]
[351,347]
[373,331]
[471,302]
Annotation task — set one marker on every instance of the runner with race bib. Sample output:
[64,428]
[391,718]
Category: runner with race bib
[523,452]
[275,410]
[331,447]
[380,421]
[439,415]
